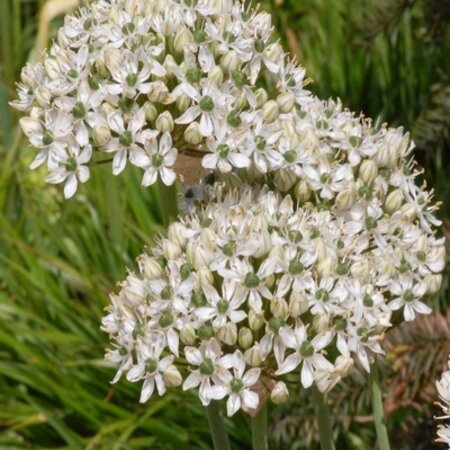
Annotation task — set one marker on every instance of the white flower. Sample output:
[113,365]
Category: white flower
[157,158]
[70,168]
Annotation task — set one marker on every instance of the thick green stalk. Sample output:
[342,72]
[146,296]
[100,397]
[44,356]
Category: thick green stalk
[259,430]
[323,416]
[377,405]
[217,427]
[168,202]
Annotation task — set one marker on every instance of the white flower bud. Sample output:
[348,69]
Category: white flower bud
[192,134]
[280,393]
[150,267]
[176,235]
[245,338]
[133,292]
[183,102]
[198,256]
[106,109]
[302,192]
[51,68]
[271,111]
[43,96]
[30,126]
[228,333]
[164,122]
[261,96]
[101,135]
[172,377]
[343,365]
[263,243]
[326,379]
[321,249]
[298,305]
[360,269]
[253,356]
[230,61]
[205,276]
[216,76]
[183,38]
[279,307]
[255,321]
[113,59]
[151,113]
[158,92]
[409,211]
[368,170]
[285,179]
[394,201]
[433,283]
[187,335]
[241,102]
[170,249]
[286,102]
[326,267]
[321,323]
[346,198]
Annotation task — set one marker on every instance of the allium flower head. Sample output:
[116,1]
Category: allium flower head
[250,287]
[122,73]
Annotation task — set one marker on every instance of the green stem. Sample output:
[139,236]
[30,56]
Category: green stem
[377,405]
[168,202]
[259,430]
[323,416]
[217,427]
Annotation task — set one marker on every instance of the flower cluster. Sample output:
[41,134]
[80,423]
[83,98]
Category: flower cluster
[443,388]
[251,287]
[146,80]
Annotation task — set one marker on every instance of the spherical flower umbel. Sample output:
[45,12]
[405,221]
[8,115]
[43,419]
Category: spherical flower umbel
[250,287]
[122,73]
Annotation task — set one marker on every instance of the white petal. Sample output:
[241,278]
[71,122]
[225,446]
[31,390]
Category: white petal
[233,404]
[289,364]
[147,389]
[168,176]
[119,162]
[71,186]
[307,375]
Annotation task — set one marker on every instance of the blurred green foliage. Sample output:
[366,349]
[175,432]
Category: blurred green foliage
[58,260]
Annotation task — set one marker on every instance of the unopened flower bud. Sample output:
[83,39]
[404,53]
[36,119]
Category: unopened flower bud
[302,192]
[175,234]
[253,356]
[228,333]
[150,267]
[326,267]
[198,256]
[182,39]
[261,96]
[274,52]
[182,103]
[346,198]
[158,92]
[255,321]
[51,68]
[297,305]
[192,134]
[321,323]
[151,113]
[433,283]
[279,307]
[101,135]
[285,179]
[343,365]
[134,291]
[187,335]
[164,122]
[271,111]
[280,393]
[205,276]
[106,109]
[170,249]
[230,61]
[360,269]
[245,338]
[43,96]
[215,75]
[113,59]
[172,377]
[368,170]
[409,211]
[394,201]
[286,102]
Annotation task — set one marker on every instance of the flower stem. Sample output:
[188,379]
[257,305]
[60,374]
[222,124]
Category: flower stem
[377,405]
[323,415]
[259,430]
[217,427]
[168,202]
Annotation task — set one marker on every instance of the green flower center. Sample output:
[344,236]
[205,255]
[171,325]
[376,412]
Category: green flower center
[151,365]
[251,280]
[260,143]
[157,160]
[206,104]
[166,293]
[306,349]
[131,79]
[79,111]
[239,78]
[223,150]
[275,323]
[408,296]
[207,367]
[236,385]
[295,267]
[233,119]
[222,306]
[166,320]
[193,75]
[126,138]
[206,331]
[198,299]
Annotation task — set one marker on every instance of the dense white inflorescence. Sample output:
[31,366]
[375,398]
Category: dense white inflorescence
[443,388]
[252,287]
[145,80]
